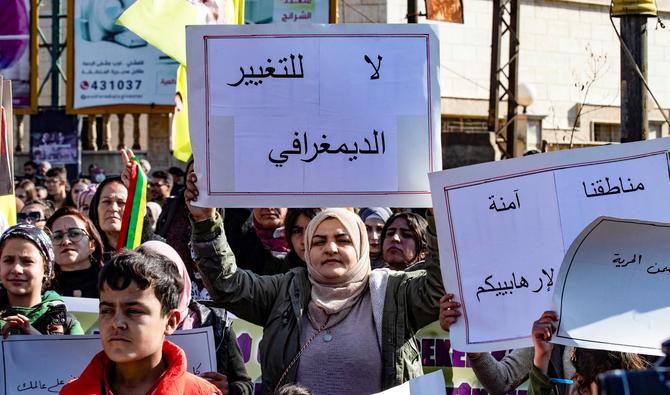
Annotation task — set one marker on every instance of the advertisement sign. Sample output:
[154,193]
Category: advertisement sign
[18,51]
[54,137]
[112,67]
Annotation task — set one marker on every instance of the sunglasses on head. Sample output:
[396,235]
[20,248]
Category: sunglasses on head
[73,234]
[31,217]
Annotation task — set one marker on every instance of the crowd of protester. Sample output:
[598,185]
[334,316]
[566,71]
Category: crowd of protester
[340,293]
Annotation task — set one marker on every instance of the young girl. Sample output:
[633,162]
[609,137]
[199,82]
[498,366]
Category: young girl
[26,269]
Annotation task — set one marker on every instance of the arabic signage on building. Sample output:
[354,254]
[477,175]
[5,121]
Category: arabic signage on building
[314,116]
[506,226]
[288,11]
[111,65]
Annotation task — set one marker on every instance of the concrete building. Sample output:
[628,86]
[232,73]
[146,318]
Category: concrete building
[569,54]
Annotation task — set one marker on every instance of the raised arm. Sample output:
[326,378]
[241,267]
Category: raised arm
[243,293]
[426,289]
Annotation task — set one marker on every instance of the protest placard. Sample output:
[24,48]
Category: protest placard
[43,364]
[314,115]
[6,132]
[612,291]
[430,383]
[505,227]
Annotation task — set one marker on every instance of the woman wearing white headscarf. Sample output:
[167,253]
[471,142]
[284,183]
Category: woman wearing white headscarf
[336,327]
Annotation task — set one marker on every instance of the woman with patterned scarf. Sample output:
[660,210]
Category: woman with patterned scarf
[26,270]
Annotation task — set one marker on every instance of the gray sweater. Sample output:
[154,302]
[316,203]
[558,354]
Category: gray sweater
[504,376]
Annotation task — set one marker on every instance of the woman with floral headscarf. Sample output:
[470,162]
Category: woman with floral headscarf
[26,270]
[334,316]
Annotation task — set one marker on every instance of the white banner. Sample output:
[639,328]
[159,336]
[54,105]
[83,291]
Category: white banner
[612,291]
[505,227]
[314,116]
[43,364]
[112,65]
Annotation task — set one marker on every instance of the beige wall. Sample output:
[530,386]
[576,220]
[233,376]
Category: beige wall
[558,39]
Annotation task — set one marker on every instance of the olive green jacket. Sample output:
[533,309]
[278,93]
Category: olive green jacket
[402,303]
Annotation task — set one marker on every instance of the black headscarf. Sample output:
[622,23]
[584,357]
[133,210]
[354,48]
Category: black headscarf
[93,212]
[108,249]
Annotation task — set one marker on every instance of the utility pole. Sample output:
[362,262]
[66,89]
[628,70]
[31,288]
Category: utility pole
[504,78]
[412,12]
[633,16]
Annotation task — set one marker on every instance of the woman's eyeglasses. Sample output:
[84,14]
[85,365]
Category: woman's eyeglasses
[73,234]
[30,217]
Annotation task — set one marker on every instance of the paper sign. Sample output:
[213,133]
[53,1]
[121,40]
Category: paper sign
[314,116]
[505,227]
[612,291]
[86,310]
[43,364]
[431,383]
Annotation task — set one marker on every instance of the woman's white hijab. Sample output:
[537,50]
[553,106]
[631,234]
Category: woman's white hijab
[332,300]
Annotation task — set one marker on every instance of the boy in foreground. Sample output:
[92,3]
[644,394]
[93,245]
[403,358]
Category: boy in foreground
[139,294]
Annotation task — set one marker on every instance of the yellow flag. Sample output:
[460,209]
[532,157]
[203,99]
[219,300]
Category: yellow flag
[181,141]
[162,23]
[8,208]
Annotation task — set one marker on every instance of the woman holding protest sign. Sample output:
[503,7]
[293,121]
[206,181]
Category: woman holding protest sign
[337,314]
[26,271]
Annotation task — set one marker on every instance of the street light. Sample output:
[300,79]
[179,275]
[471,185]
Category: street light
[525,95]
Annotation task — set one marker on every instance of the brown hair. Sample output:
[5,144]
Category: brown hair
[94,236]
[418,225]
[29,188]
[291,218]
[590,363]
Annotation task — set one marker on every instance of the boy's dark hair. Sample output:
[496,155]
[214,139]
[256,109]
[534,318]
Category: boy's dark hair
[164,176]
[31,164]
[57,172]
[146,269]
[176,171]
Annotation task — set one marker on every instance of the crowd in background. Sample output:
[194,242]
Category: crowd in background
[339,292]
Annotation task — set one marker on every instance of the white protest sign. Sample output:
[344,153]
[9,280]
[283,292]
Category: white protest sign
[314,115]
[612,291]
[431,383]
[43,364]
[505,227]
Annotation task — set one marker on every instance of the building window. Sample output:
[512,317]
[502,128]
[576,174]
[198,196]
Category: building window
[607,132]
[464,125]
[655,130]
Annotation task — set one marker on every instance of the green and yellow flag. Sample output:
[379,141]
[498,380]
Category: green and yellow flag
[133,214]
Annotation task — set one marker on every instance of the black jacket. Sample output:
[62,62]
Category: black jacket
[229,359]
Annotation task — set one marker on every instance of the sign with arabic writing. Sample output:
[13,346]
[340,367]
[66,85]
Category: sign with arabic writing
[300,11]
[314,116]
[43,364]
[612,290]
[505,227]
[111,65]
